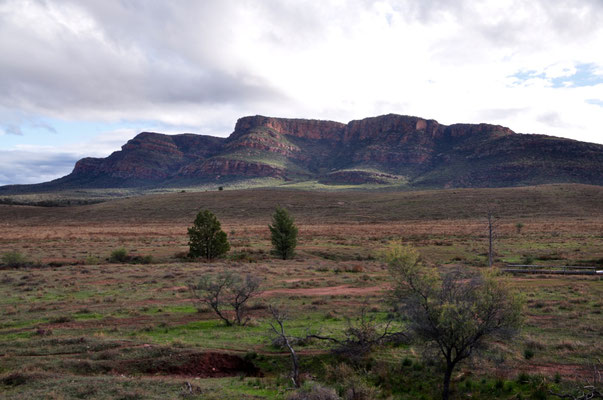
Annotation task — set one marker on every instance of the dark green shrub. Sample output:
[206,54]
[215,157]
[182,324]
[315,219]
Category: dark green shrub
[14,259]
[148,259]
[528,354]
[14,379]
[119,255]
[283,234]
[527,260]
[523,378]
[206,237]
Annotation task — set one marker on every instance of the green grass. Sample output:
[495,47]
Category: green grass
[73,331]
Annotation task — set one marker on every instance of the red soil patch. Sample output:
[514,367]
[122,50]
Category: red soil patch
[325,291]
[204,365]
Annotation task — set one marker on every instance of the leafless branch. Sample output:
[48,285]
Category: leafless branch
[279,317]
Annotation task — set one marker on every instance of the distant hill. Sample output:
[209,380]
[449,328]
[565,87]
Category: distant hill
[390,151]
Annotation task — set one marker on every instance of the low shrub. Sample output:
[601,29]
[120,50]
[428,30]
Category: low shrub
[148,259]
[91,260]
[350,384]
[314,392]
[119,255]
[14,259]
[14,379]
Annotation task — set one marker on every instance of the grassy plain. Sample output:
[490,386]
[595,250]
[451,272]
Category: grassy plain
[77,326]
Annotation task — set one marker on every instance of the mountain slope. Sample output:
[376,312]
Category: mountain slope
[390,149]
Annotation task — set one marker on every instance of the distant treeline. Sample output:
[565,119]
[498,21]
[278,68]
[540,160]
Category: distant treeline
[50,203]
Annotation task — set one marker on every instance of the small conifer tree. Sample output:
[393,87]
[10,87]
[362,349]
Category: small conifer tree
[206,237]
[284,233]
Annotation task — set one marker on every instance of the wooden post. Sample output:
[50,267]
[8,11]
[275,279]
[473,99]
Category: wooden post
[490,233]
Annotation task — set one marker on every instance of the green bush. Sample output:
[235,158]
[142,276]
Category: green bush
[528,353]
[14,259]
[119,255]
[91,260]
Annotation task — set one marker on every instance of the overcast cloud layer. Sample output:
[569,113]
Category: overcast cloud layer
[196,66]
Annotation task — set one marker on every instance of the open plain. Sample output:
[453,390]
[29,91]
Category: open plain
[75,325]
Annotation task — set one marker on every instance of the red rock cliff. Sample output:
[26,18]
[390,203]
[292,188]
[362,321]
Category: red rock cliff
[302,128]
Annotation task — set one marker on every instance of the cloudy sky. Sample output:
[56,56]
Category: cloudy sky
[80,77]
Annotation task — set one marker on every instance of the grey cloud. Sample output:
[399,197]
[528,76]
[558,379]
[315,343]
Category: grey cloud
[137,53]
[553,119]
[33,167]
[127,56]
[520,26]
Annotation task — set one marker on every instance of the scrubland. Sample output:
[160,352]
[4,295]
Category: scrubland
[75,325]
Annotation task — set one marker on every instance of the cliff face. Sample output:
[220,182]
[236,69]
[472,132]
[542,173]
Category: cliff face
[151,156]
[301,128]
[389,149]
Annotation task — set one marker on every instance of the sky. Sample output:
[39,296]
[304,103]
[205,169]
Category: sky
[79,78]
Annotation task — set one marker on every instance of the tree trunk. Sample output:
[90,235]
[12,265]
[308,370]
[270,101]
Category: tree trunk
[294,362]
[295,370]
[447,376]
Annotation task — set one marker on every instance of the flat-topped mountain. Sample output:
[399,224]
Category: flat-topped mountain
[390,150]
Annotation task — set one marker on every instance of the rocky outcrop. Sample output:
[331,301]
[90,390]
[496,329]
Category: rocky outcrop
[221,167]
[302,128]
[151,156]
[387,149]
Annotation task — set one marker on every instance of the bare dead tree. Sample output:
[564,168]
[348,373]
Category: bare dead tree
[591,390]
[492,223]
[279,317]
[226,289]
[242,290]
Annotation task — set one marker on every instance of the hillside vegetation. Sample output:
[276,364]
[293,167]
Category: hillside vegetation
[329,207]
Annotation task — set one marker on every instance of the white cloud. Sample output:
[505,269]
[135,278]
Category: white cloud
[204,64]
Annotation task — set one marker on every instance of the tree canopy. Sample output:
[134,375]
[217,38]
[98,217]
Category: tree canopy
[283,233]
[206,237]
[456,313]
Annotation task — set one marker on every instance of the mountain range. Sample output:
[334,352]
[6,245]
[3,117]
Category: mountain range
[389,150]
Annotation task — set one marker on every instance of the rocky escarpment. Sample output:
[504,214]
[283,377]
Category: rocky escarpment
[151,156]
[301,128]
[390,149]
